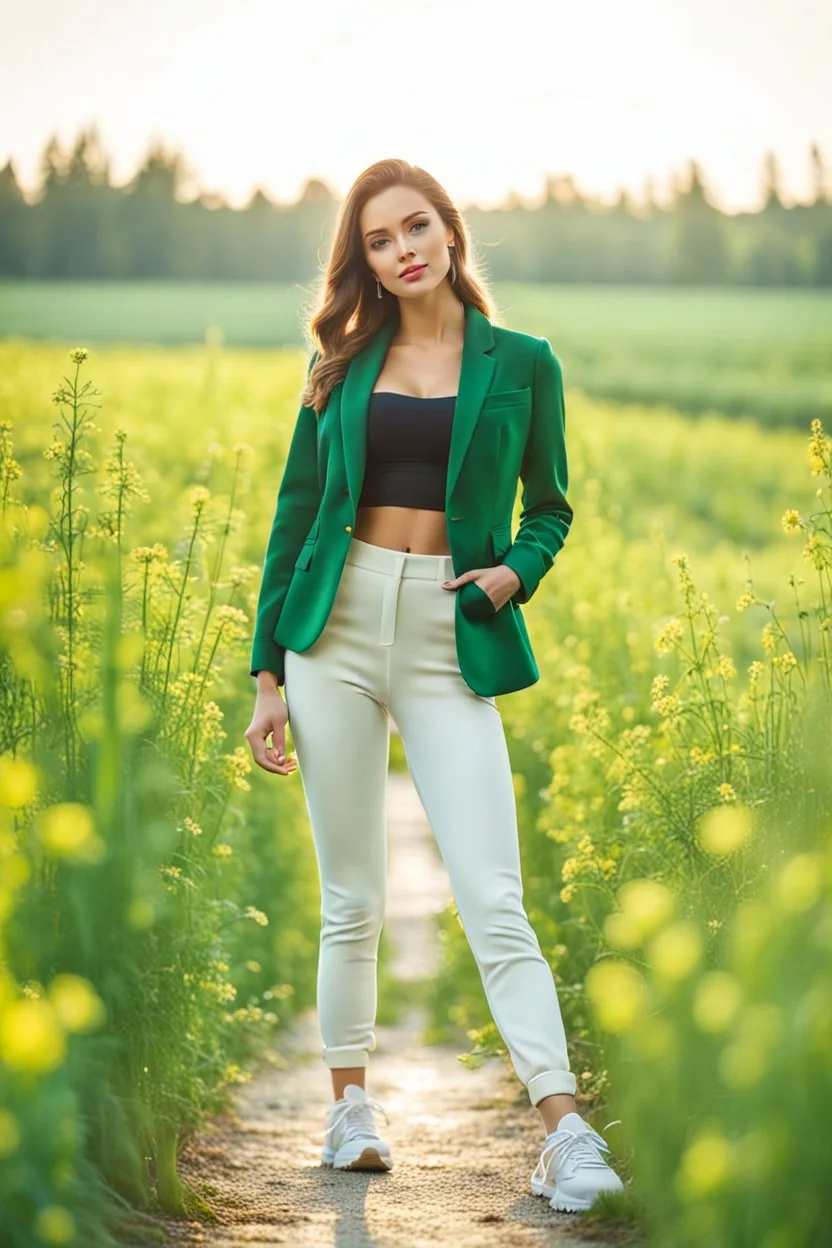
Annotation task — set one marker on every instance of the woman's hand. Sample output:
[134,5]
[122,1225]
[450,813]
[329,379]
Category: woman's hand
[270,716]
[500,583]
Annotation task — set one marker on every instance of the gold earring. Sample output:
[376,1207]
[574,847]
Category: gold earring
[378,287]
[453,270]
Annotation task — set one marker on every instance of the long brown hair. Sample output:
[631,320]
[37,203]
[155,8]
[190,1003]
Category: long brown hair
[349,312]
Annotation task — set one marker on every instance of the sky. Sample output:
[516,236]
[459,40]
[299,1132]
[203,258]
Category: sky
[491,96]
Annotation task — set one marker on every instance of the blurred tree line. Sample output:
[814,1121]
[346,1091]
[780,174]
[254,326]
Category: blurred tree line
[79,225]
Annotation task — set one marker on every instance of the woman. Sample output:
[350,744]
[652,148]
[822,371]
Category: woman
[391,587]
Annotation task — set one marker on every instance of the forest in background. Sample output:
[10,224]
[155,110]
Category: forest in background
[79,225]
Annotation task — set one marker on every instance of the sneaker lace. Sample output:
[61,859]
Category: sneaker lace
[358,1115]
[583,1147]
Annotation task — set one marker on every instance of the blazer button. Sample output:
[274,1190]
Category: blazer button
[348,528]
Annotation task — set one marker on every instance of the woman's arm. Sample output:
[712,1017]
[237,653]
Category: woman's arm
[546,515]
[298,499]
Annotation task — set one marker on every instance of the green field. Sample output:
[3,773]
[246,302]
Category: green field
[766,354]
[158,896]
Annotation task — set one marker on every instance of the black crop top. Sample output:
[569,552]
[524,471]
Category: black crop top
[408,440]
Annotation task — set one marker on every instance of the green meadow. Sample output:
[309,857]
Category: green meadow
[755,352]
[159,905]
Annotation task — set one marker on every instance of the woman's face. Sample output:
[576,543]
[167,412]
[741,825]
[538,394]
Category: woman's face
[395,243]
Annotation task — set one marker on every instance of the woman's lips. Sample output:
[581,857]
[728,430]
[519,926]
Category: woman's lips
[414,273]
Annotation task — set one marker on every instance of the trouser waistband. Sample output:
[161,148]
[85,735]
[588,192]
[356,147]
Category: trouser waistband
[400,563]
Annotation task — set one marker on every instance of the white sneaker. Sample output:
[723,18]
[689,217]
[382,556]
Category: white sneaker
[571,1171]
[351,1140]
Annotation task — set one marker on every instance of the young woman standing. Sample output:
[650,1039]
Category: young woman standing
[392,587]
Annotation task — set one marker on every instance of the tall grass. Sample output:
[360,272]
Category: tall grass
[135,984]
[676,834]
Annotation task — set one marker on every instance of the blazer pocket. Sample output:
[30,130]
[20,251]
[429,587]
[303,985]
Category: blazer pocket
[474,602]
[507,398]
[305,557]
[500,539]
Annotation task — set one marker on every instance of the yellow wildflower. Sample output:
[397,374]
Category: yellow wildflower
[76,1003]
[147,554]
[755,671]
[706,1165]
[791,520]
[18,781]
[198,496]
[701,757]
[646,904]
[818,449]
[621,930]
[67,830]
[724,829]
[54,1224]
[570,867]
[676,950]
[685,578]
[816,552]
[659,687]
[668,636]
[618,993]
[664,703]
[799,883]
[236,767]
[769,636]
[31,1037]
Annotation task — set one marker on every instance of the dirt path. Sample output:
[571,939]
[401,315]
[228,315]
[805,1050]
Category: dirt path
[464,1143]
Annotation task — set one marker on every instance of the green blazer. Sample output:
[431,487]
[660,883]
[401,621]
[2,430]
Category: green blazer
[509,424]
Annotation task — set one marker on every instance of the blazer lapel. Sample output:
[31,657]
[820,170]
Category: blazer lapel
[476,373]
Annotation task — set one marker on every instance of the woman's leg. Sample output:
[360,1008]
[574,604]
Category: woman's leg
[457,754]
[340,730]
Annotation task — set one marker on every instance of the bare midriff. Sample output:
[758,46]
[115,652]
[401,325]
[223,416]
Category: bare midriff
[412,529]
[414,371]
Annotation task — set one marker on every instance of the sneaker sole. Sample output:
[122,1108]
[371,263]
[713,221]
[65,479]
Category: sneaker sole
[368,1159]
[566,1204]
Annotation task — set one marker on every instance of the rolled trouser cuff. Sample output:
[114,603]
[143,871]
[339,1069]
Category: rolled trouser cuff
[549,1082]
[337,1059]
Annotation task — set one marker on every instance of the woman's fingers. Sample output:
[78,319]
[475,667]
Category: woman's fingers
[277,751]
[270,758]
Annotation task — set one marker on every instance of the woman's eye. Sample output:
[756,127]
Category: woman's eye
[382,240]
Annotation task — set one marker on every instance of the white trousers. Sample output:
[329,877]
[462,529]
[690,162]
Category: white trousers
[389,648]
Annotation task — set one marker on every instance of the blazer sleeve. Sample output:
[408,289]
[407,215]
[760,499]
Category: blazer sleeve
[546,515]
[298,500]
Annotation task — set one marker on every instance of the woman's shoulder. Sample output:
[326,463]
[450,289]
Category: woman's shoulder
[517,342]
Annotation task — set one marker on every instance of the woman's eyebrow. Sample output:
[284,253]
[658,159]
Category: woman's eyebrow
[407,218]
